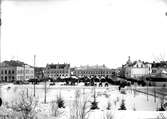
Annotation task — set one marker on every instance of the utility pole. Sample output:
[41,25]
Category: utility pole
[148,80]
[0,39]
[45,77]
[24,73]
[147,89]
[154,93]
[0,50]
[45,92]
[34,75]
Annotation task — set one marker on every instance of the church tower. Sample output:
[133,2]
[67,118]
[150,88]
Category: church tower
[129,61]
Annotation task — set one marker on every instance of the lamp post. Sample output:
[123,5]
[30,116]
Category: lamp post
[0,53]
[149,76]
[0,39]
[147,89]
[34,75]
[45,76]
[154,93]
[45,91]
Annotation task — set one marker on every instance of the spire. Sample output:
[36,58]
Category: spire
[129,60]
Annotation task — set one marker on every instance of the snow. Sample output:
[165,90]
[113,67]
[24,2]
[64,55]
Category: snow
[144,108]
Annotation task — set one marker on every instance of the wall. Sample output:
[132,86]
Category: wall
[8,73]
[25,73]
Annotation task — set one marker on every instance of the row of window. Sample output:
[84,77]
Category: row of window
[13,72]
[58,75]
[92,75]
[83,72]
[6,78]
[142,66]
[56,72]
[22,77]
[7,72]
[26,71]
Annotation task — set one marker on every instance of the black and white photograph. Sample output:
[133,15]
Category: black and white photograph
[83,59]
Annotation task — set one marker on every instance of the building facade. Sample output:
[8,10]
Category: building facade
[137,69]
[159,69]
[89,71]
[15,70]
[39,72]
[8,73]
[57,70]
[25,72]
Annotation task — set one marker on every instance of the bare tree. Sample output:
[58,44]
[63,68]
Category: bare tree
[80,107]
[56,105]
[60,101]
[94,103]
[55,109]
[46,88]
[108,115]
[108,105]
[24,106]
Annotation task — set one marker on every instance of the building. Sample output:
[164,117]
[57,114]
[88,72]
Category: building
[57,70]
[39,72]
[15,70]
[159,69]
[136,69]
[89,71]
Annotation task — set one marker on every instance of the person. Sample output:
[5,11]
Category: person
[119,88]
[0,101]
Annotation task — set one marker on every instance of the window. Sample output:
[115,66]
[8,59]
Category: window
[13,77]
[1,72]
[153,71]
[5,71]
[9,72]
[5,78]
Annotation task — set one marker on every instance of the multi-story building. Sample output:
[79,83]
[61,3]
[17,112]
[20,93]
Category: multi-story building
[159,69]
[136,69]
[89,71]
[15,70]
[57,70]
[39,72]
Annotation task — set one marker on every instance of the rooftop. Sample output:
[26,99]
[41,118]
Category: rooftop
[58,66]
[92,67]
[13,63]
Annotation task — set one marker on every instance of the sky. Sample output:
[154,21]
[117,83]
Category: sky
[83,32]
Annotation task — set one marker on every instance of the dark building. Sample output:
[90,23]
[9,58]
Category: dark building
[90,71]
[57,70]
[39,72]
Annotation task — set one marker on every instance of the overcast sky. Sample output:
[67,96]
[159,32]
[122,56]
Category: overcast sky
[84,32]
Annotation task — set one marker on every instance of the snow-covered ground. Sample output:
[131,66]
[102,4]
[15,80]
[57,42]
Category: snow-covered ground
[144,108]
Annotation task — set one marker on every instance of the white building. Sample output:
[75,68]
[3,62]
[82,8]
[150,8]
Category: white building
[137,69]
[15,70]
[25,72]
